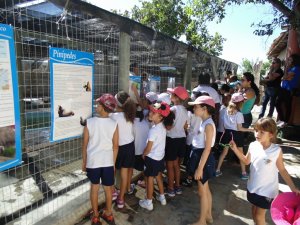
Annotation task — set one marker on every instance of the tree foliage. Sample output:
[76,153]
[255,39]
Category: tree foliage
[178,17]
[249,66]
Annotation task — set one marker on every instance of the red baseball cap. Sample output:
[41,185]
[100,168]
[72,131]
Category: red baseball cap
[108,100]
[204,100]
[160,107]
[180,91]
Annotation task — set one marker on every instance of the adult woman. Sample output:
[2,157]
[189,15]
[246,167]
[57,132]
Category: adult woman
[251,93]
[289,87]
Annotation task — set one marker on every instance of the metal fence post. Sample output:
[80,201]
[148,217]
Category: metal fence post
[187,77]
[124,61]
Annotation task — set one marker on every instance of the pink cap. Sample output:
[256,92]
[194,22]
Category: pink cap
[237,97]
[180,91]
[161,107]
[284,209]
[108,100]
[204,100]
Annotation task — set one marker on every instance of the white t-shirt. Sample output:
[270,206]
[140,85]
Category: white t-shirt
[125,128]
[221,119]
[140,132]
[263,178]
[199,137]
[231,121]
[157,134]
[100,146]
[194,124]
[181,118]
[212,92]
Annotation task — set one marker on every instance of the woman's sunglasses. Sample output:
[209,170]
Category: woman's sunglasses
[225,145]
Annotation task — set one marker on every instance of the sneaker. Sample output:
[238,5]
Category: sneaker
[107,218]
[131,191]
[187,182]
[95,221]
[245,176]
[218,173]
[146,204]
[171,193]
[120,203]
[178,190]
[162,199]
[115,195]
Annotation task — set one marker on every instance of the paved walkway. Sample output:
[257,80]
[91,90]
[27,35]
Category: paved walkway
[230,206]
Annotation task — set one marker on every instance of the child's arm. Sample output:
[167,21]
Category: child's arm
[241,128]
[84,147]
[209,131]
[246,159]
[148,148]
[285,175]
[115,142]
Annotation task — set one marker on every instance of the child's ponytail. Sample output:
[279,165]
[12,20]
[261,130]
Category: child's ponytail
[127,105]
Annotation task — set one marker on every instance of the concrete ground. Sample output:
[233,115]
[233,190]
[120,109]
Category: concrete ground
[230,206]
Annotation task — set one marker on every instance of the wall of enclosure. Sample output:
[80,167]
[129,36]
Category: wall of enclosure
[50,177]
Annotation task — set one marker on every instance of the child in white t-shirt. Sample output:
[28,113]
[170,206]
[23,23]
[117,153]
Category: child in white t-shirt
[154,153]
[176,140]
[232,122]
[99,153]
[140,132]
[266,161]
[124,116]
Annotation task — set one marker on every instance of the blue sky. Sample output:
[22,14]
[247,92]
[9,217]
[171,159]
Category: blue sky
[236,28]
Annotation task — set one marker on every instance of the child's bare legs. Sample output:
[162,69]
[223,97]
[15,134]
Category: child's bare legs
[94,198]
[177,172]
[260,216]
[124,180]
[160,184]
[108,197]
[130,172]
[150,188]
[243,167]
[209,198]
[203,190]
[171,174]
[253,210]
[221,158]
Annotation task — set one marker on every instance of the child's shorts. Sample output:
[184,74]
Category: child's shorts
[139,163]
[126,156]
[238,137]
[153,167]
[106,174]
[259,201]
[175,148]
[209,167]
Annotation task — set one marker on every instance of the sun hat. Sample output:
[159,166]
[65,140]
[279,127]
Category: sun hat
[204,100]
[151,96]
[237,97]
[285,209]
[164,97]
[108,101]
[160,107]
[180,91]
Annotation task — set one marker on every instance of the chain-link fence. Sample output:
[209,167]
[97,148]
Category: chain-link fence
[50,176]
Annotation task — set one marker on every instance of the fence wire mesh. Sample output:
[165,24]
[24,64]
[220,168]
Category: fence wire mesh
[50,176]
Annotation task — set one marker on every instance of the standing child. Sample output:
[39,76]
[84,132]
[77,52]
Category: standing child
[232,121]
[154,153]
[202,161]
[140,133]
[124,117]
[266,160]
[99,153]
[176,140]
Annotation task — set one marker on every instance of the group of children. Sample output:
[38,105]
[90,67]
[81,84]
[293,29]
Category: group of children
[153,135]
